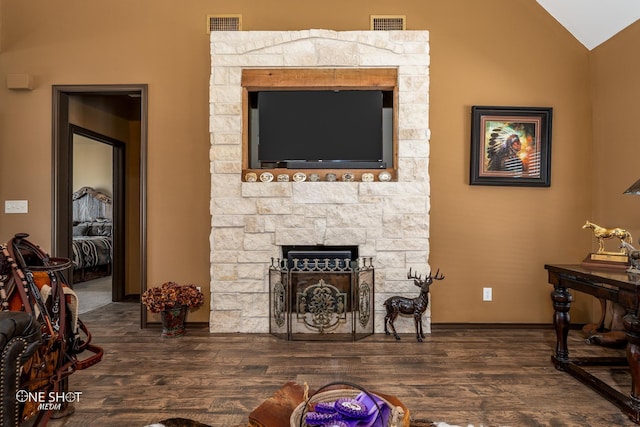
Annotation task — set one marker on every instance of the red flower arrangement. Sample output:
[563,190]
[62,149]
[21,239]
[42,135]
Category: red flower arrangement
[170,295]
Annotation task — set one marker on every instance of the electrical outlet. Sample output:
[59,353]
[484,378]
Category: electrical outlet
[16,206]
[487,294]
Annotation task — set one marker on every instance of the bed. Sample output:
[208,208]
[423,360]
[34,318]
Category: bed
[92,242]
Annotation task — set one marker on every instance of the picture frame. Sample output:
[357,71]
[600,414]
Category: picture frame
[511,146]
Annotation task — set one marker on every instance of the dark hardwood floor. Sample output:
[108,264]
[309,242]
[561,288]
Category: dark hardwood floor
[489,377]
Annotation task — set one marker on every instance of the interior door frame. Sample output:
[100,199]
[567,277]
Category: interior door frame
[118,181]
[62,152]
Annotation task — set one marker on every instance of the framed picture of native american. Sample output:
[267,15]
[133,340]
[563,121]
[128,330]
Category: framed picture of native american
[511,146]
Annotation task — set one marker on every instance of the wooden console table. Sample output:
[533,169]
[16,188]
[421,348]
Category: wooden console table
[613,285]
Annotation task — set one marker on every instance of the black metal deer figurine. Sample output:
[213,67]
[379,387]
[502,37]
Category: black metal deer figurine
[411,306]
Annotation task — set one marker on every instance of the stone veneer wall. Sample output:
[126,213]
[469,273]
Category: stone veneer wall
[389,221]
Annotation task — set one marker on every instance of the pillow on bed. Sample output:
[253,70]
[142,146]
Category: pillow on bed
[80,230]
[99,230]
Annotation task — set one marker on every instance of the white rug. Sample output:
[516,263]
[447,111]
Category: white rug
[93,294]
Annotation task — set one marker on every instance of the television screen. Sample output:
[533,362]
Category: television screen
[318,126]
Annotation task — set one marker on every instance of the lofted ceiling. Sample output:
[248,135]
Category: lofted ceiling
[593,22]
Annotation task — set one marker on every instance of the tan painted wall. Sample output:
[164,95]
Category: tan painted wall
[92,165]
[616,112]
[494,52]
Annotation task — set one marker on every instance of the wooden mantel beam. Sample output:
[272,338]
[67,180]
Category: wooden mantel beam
[319,78]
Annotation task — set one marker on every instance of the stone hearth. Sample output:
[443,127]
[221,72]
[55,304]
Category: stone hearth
[251,221]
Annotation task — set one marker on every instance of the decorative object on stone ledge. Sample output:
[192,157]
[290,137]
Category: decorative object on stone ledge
[283,177]
[251,177]
[410,306]
[331,177]
[367,177]
[172,301]
[266,177]
[299,177]
[384,176]
[348,177]
[314,177]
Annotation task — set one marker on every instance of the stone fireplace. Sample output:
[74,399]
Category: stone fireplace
[252,221]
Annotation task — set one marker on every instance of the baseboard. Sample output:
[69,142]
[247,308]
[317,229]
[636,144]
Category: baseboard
[436,326]
[187,324]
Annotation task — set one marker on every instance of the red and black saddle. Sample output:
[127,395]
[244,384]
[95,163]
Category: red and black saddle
[32,281]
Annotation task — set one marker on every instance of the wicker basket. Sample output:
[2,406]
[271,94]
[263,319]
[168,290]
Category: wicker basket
[399,416]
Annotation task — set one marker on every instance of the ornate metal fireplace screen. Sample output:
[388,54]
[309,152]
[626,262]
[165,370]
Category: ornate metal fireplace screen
[321,299]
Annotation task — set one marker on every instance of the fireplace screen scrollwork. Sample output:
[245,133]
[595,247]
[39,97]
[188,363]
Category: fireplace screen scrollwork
[278,307]
[279,304]
[321,306]
[365,309]
[321,299]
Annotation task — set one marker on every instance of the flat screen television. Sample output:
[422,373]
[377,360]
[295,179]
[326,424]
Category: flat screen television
[329,129]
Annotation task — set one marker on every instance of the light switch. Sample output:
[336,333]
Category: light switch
[16,206]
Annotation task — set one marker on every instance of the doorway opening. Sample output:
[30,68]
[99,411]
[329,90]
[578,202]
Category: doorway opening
[97,165]
[115,115]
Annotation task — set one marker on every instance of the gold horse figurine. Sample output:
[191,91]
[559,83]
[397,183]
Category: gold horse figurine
[602,233]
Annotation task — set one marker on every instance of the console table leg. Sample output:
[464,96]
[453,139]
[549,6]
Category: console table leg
[561,321]
[632,328]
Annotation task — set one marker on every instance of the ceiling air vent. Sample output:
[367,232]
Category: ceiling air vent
[224,23]
[388,22]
